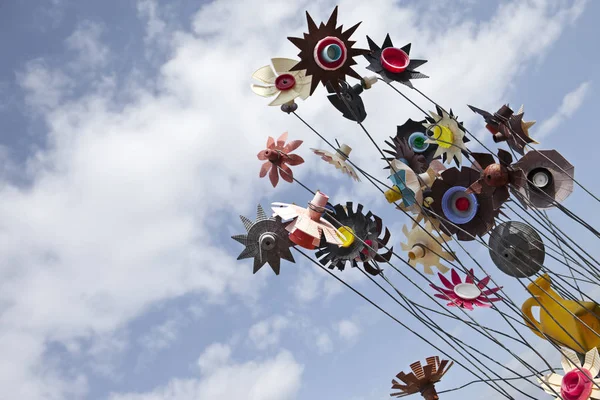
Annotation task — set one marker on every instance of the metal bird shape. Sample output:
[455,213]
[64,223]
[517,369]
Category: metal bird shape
[496,177]
[506,126]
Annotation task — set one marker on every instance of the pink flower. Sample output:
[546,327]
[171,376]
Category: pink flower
[576,385]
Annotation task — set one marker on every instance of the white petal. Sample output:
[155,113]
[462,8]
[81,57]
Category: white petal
[569,360]
[264,91]
[283,97]
[283,65]
[304,90]
[592,361]
[264,74]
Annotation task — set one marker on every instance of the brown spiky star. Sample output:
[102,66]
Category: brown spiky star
[422,379]
[326,52]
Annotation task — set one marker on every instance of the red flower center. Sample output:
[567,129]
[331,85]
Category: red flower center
[576,385]
[285,82]
[462,204]
[369,243]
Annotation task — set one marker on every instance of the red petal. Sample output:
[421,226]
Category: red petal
[468,305]
[281,139]
[446,282]
[261,155]
[470,275]
[274,176]
[294,159]
[291,146]
[264,169]
[455,278]
[491,291]
[483,283]
[286,173]
[270,143]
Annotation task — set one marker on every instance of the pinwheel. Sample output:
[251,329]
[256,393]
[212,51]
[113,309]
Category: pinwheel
[421,379]
[516,249]
[495,177]
[449,135]
[277,156]
[307,226]
[359,229]
[466,294]
[392,63]
[466,214]
[348,100]
[508,127]
[410,146]
[549,178]
[266,240]
[287,85]
[338,159]
[326,52]
[578,382]
[425,247]
[408,186]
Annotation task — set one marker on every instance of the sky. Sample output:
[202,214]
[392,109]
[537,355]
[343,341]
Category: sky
[128,142]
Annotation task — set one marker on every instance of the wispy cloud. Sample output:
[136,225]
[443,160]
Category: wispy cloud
[570,104]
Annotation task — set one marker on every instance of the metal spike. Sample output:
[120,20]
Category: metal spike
[243,239]
[260,213]
[247,223]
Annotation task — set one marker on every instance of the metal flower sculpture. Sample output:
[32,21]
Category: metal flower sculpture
[307,227]
[410,146]
[422,379]
[578,382]
[466,214]
[339,160]
[279,80]
[517,249]
[424,247]
[549,178]
[392,63]
[466,294]
[348,100]
[277,156]
[266,240]
[359,229]
[448,134]
[508,127]
[326,52]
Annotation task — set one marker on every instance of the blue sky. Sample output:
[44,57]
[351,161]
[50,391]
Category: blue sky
[129,137]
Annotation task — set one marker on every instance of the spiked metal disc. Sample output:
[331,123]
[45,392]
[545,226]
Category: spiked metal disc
[266,240]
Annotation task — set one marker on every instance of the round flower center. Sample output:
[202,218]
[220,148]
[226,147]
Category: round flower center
[462,204]
[576,385]
[285,82]
[467,291]
[267,241]
[394,60]
[369,243]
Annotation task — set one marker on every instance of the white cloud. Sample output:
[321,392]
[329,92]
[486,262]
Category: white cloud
[267,333]
[324,343]
[126,207]
[348,330]
[215,356]
[570,104]
[307,287]
[86,42]
[276,378]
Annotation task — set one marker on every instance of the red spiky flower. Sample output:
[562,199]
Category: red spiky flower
[326,52]
[277,155]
